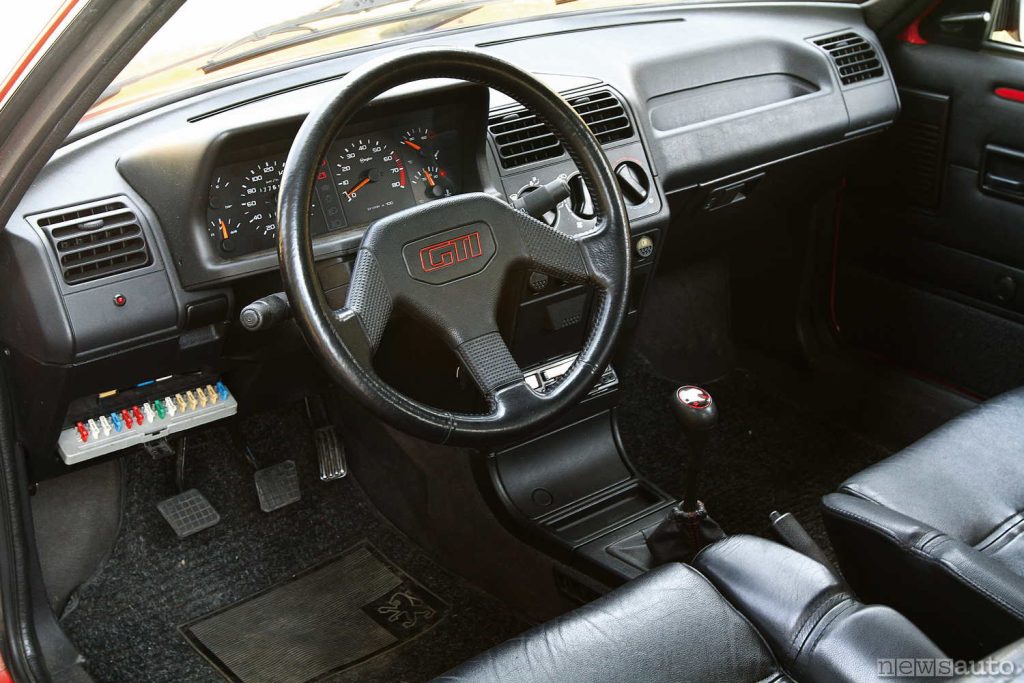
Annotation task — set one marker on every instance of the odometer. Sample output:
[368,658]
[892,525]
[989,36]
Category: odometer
[258,203]
[371,179]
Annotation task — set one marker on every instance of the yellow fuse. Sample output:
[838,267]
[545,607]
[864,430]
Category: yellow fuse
[201,395]
[192,403]
[180,401]
[212,394]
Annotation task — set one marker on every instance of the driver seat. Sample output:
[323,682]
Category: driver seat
[748,610]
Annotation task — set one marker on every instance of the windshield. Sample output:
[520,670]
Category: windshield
[210,40]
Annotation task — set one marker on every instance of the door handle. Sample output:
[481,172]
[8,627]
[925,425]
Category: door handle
[1004,184]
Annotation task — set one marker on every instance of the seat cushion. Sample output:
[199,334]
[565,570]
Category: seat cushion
[815,627]
[935,530]
[965,479]
[670,624]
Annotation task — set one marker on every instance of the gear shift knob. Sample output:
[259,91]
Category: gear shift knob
[694,409]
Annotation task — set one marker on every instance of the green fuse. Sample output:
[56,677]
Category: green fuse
[159,405]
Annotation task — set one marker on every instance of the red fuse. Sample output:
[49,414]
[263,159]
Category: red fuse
[127,417]
[137,412]
[82,432]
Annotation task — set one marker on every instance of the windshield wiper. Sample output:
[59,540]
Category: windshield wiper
[338,9]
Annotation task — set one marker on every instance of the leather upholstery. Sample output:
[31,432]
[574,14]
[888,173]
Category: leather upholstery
[816,628]
[754,611]
[667,625]
[935,530]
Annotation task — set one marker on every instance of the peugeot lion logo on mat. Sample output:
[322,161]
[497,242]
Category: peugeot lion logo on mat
[406,609]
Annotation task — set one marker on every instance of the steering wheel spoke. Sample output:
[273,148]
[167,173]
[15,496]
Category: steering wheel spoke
[553,252]
[489,362]
[369,299]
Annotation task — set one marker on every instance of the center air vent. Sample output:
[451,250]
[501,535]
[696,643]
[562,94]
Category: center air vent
[522,138]
[854,57]
[96,240]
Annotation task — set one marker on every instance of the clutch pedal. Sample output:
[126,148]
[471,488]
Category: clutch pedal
[188,513]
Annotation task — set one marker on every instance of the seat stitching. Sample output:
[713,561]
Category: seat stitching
[841,602]
[1007,530]
[933,561]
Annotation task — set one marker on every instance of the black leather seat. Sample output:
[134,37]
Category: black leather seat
[937,530]
[749,610]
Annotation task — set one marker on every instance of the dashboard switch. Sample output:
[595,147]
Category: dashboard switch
[633,182]
[120,300]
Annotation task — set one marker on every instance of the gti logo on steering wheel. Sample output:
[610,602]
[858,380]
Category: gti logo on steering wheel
[449,252]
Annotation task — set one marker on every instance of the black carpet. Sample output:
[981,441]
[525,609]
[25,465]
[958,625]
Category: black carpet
[767,454]
[126,619]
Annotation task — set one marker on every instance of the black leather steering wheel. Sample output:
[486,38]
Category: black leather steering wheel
[445,262]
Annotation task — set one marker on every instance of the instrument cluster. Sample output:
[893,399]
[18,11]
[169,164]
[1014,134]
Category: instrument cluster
[365,176]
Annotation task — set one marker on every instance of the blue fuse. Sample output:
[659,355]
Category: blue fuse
[222,391]
[116,420]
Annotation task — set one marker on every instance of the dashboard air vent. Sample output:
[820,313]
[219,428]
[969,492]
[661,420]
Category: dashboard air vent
[604,114]
[854,57]
[96,240]
[522,138]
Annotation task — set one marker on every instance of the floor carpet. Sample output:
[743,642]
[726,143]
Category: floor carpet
[767,453]
[126,619]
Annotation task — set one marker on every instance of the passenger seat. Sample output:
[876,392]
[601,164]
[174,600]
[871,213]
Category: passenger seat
[937,530]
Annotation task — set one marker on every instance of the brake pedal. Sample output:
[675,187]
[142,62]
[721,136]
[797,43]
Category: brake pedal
[278,486]
[188,513]
[330,451]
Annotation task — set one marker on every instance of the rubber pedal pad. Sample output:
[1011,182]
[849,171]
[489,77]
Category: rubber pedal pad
[278,486]
[188,513]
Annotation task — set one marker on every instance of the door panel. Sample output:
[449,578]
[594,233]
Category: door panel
[931,237]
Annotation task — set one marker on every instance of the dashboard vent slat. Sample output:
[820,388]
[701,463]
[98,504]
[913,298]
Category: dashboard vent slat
[854,57]
[96,240]
[522,138]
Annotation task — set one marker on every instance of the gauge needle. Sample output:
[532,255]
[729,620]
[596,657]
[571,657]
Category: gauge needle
[357,187]
[224,229]
[412,144]
[430,178]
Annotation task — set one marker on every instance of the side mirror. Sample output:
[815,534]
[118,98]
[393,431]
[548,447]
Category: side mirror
[963,23]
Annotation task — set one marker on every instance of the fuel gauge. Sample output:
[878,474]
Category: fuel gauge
[223,232]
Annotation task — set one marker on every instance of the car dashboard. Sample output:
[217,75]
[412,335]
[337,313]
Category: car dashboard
[137,246]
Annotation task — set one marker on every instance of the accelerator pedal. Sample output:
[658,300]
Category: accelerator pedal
[330,451]
[278,486]
[188,513]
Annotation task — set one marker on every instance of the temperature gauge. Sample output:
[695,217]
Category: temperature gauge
[421,141]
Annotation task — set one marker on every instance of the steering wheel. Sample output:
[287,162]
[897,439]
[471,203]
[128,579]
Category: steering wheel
[445,262]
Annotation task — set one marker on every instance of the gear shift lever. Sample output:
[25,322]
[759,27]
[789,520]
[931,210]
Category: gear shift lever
[688,527]
[697,414]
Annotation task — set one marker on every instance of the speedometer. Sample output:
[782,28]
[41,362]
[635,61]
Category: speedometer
[371,179]
[259,201]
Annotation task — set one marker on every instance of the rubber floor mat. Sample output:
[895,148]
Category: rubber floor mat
[332,617]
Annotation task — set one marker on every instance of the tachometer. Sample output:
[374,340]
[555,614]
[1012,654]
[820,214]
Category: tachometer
[259,200]
[371,179]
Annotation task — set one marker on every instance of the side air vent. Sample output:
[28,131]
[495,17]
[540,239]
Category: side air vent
[96,240]
[522,138]
[854,57]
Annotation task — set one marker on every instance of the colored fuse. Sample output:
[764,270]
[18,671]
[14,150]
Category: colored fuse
[159,405]
[222,391]
[148,411]
[192,402]
[181,402]
[105,425]
[137,412]
[201,396]
[94,429]
[212,395]
[83,433]
[115,420]
[171,406]
[127,417]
